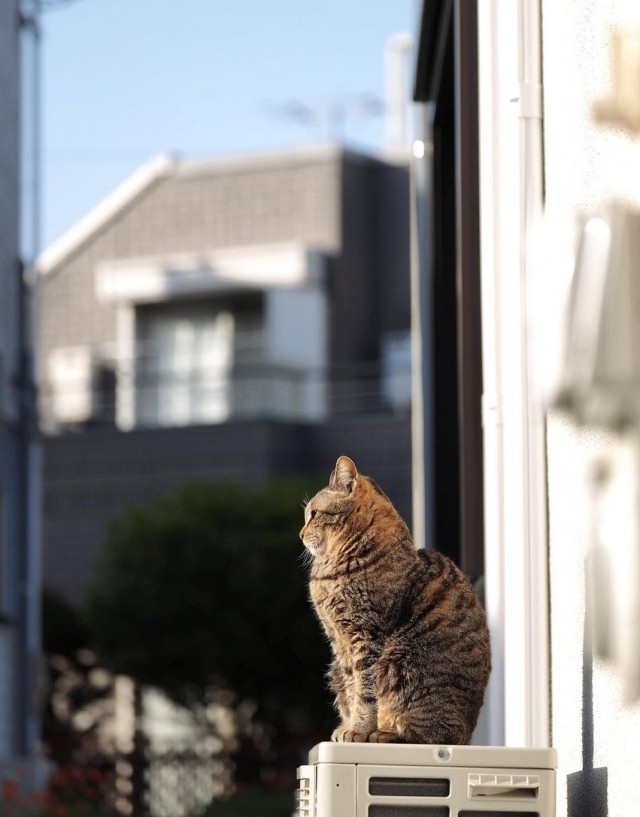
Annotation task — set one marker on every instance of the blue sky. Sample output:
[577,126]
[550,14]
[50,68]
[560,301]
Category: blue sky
[124,79]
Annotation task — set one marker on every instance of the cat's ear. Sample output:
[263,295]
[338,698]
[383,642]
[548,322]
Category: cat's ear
[344,476]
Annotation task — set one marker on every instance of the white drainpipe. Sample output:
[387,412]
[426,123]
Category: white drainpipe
[515,499]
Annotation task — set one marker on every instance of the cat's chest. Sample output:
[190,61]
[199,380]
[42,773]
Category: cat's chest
[346,604]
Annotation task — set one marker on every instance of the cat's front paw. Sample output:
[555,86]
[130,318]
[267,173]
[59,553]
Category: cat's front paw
[345,734]
[384,737]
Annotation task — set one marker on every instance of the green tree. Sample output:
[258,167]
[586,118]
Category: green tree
[205,589]
[64,630]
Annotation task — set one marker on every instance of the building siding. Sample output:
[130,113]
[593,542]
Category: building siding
[9,194]
[13,683]
[9,249]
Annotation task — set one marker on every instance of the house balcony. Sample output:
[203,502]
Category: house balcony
[85,387]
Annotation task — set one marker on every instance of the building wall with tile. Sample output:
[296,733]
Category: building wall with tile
[205,207]
[332,202]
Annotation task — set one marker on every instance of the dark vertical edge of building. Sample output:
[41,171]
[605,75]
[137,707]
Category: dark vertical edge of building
[468,286]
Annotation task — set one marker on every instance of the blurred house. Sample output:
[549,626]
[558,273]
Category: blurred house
[240,318]
[19,510]
[530,148]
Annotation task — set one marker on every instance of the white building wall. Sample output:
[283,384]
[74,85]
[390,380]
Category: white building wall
[297,327]
[296,340]
[595,732]
[525,279]
[290,380]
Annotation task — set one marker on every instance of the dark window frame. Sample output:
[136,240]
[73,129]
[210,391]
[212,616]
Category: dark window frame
[447,77]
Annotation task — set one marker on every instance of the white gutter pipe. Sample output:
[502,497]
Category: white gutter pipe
[421,310]
[536,556]
[509,48]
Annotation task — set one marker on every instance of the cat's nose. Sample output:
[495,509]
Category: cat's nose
[301,534]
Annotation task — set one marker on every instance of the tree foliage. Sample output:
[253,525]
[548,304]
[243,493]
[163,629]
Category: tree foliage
[64,630]
[206,589]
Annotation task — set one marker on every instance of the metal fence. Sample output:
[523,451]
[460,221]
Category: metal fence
[181,784]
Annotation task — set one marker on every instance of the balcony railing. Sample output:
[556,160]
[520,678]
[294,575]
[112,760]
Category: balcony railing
[95,387]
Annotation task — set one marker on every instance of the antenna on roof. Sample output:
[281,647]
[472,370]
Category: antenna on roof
[332,116]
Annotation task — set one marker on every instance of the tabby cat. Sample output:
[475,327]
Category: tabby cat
[411,652]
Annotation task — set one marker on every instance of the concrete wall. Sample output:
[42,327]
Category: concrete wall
[595,732]
[92,477]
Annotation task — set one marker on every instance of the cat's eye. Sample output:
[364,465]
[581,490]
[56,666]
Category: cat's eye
[312,514]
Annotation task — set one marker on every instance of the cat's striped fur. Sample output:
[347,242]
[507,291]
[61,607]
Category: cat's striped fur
[411,652]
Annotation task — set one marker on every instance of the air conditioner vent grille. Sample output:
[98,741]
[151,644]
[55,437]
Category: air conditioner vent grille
[409,786]
[409,811]
[305,794]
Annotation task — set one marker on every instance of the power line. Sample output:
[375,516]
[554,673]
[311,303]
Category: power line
[54,5]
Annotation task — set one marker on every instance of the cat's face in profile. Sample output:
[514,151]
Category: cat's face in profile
[325,515]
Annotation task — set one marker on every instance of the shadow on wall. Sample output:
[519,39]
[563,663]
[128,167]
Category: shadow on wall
[587,790]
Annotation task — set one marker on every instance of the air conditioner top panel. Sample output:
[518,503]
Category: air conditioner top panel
[420,754]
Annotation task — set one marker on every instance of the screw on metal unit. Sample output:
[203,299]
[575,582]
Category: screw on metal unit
[444,753]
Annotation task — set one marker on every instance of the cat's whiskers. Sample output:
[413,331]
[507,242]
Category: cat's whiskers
[306,557]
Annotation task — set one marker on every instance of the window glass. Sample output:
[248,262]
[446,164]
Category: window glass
[188,355]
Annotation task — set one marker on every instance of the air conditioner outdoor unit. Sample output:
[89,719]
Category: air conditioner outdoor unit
[394,780]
